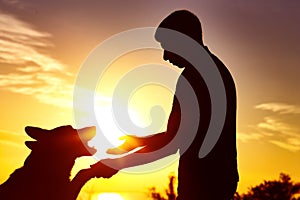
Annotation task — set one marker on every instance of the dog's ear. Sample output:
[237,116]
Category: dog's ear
[31,144]
[35,132]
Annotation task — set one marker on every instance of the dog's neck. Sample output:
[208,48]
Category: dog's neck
[50,167]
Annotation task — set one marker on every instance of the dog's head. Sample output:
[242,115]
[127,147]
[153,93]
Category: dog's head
[64,140]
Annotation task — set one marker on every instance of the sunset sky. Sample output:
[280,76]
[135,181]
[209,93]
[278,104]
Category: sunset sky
[44,43]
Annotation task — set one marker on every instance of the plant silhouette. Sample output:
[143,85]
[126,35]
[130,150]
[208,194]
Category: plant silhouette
[170,192]
[282,189]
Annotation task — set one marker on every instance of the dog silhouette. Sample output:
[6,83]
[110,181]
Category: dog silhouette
[46,171]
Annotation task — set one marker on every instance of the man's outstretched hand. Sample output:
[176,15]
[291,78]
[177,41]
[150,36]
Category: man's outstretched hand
[131,142]
[100,170]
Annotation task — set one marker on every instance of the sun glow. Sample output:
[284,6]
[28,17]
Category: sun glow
[110,196]
[109,126]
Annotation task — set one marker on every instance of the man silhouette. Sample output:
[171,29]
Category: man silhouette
[215,176]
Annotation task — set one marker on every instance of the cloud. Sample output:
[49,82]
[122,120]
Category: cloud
[12,139]
[280,127]
[28,69]
[9,143]
[32,72]
[19,42]
[47,88]
[287,146]
[280,108]
[16,79]
[271,124]
[245,137]
[14,3]
[283,134]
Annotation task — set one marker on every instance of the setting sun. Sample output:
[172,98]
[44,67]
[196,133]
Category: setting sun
[110,196]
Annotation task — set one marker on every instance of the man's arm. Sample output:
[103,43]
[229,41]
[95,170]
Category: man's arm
[153,142]
[150,144]
[157,141]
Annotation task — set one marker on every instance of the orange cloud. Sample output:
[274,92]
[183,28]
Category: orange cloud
[280,108]
[280,127]
[32,72]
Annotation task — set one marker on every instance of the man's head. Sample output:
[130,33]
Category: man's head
[184,22]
